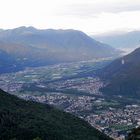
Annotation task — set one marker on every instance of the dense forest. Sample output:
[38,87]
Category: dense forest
[26,120]
[134,135]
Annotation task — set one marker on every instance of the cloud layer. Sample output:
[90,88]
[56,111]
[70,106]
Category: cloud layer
[91,16]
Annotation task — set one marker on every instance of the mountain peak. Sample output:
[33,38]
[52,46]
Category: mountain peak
[24,28]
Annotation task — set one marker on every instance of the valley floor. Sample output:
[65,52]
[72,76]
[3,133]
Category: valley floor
[68,87]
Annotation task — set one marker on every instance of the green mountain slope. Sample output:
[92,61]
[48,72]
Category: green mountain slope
[123,75]
[24,120]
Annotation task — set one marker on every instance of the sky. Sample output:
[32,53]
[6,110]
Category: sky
[90,16]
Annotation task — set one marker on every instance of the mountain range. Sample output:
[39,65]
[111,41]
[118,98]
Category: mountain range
[27,120]
[29,47]
[124,40]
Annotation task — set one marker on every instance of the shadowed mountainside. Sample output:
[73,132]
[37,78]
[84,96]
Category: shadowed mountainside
[28,47]
[26,120]
[123,75]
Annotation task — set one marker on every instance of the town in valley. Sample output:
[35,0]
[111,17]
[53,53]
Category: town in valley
[75,88]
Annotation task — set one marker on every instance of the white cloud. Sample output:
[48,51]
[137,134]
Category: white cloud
[99,6]
[91,16]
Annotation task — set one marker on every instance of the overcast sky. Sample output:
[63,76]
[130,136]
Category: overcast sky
[90,16]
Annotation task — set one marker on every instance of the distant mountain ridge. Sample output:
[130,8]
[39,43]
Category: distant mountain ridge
[29,46]
[125,40]
[123,75]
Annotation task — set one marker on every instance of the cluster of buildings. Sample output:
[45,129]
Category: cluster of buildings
[88,85]
[115,121]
